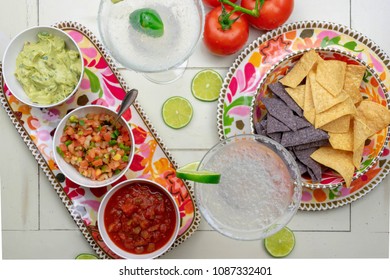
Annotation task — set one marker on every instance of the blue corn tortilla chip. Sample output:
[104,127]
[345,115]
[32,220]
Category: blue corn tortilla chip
[260,129]
[315,144]
[314,175]
[280,111]
[273,125]
[279,90]
[301,122]
[313,168]
[303,136]
[277,136]
[301,166]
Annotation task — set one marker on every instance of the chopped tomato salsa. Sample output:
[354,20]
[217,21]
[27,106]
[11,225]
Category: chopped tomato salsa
[140,218]
[96,147]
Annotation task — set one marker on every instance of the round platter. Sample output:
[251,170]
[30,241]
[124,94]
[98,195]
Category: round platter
[242,80]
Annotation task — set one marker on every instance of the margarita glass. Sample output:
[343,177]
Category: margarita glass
[161,59]
[259,191]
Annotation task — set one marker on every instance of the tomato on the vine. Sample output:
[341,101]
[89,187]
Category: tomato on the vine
[273,13]
[215,3]
[225,34]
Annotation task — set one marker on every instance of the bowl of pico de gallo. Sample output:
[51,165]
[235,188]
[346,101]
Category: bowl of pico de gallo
[92,148]
[138,219]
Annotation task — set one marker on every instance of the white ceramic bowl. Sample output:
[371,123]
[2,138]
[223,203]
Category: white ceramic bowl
[16,46]
[103,230]
[68,170]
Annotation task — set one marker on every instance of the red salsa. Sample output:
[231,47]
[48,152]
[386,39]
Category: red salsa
[140,218]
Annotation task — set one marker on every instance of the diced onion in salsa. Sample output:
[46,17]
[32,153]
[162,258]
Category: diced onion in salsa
[94,146]
[140,218]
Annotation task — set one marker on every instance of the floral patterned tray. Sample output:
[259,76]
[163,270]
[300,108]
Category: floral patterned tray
[243,78]
[102,84]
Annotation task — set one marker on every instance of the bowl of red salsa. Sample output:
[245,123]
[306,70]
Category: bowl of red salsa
[138,219]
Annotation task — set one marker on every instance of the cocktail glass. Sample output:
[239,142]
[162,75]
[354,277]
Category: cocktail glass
[161,59]
[259,191]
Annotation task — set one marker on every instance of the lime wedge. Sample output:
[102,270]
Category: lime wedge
[177,112]
[190,172]
[281,243]
[86,256]
[206,85]
[116,1]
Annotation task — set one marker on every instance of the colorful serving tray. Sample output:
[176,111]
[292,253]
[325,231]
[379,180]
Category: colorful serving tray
[243,78]
[103,85]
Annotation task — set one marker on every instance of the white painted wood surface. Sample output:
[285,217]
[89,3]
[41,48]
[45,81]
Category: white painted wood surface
[36,225]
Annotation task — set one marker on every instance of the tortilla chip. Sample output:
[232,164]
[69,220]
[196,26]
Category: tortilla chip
[323,100]
[344,108]
[279,90]
[313,167]
[300,69]
[303,136]
[273,125]
[280,111]
[360,132]
[331,75]
[342,141]
[357,156]
[353,78]
[338,160]
[308,105]
[297,94]
[340,125]
[374,115]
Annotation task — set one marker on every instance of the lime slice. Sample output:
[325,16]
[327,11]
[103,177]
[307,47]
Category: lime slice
[190,172]
[86,256]
[281,243]
[206,85]
[116,1]
[177,112]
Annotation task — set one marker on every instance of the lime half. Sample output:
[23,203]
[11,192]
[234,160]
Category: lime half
[190,172]
[281,243]
[177,112]
[206,85]
[86,256]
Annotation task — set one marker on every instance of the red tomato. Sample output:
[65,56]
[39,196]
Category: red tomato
[215,3]
[224,42]
[273,13]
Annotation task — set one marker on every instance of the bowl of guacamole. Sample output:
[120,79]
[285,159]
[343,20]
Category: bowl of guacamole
[43,66]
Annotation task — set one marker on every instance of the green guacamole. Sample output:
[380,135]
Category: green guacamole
[47,71]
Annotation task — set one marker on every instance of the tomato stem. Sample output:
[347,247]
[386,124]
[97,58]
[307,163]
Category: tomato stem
[224,19]
[255,12]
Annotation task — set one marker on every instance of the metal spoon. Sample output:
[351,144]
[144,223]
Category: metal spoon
[127,101]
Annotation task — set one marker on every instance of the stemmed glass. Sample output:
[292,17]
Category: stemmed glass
[161,59]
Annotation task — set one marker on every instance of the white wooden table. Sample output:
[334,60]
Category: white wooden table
[36,224]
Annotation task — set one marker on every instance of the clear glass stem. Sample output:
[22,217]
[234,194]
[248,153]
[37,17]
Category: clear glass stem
[168,76]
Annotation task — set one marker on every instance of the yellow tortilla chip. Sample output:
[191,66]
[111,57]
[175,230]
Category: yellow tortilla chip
[353,78]
[338,160]
[344,108]
[361,132]
[323,100]
[342,141]
[300,69]
[374,115]
[308,105]
[331,75]
[340,125]
[357,156]
[298,94]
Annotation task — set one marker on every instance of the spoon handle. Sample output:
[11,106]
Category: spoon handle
[129,99]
